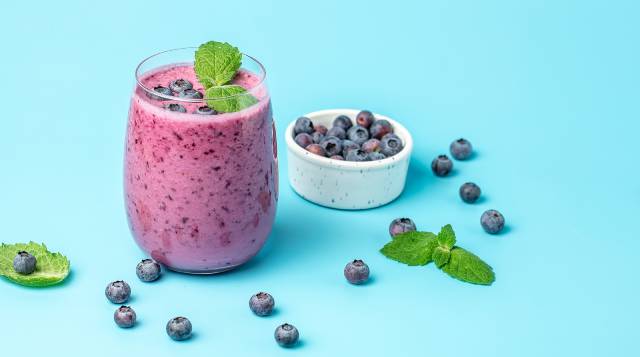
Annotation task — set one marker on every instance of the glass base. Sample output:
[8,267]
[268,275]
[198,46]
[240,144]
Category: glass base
[204,272]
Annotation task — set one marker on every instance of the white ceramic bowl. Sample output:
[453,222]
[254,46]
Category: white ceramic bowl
[347,184]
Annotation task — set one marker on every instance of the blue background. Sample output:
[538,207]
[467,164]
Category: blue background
[547,91]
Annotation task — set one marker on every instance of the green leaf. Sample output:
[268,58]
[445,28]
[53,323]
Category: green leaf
[227,99]
[411,248]
[446,237]
[441,256]
[51,268]
[216,63]
[466,266]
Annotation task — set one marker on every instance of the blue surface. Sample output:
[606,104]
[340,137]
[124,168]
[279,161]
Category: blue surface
[547,92]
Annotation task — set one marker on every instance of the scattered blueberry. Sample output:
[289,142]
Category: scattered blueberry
[380,128]
[180,85]
[331,145]
[316,149]
[337,157]
[303,139]
[161,90]
[205,110]
[371,145]
[356,155]
[358,134]
[342,121]
[365,118]
[124,316]
[338,132]
[441,165]
[190,94]
[461,149]
[286,335]
[118,292]
[303,125]
[401,225]
[320,129]
[148,270]
[374,155]
[179,328]
[390,144]
[24,263]
[348,145]
[492,221]
[317,137]
[174,107]
[356,272]
[261,304]
[469,192]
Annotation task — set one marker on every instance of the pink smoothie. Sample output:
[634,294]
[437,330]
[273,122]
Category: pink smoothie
[200,190]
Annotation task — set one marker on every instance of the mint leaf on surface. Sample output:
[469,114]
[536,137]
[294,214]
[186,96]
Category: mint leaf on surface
[446,237]
[227,99]
[216,63]
[466,266]
[51,268]
[441,256]
[411,248]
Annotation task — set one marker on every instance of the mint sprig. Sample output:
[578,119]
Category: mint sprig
[420,248]
[51,268]
[216,64]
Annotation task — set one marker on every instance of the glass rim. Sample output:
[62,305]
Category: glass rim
[262,77]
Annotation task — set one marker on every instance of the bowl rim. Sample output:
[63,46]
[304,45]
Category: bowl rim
[398,129]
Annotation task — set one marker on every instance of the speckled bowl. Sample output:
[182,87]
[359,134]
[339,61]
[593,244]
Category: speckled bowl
[347,184]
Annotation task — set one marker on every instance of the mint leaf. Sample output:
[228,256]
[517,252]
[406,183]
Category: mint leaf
[51,268]
[466,266]
[441,256]
[216,63]
[411,248]
[446,237]
[227,99]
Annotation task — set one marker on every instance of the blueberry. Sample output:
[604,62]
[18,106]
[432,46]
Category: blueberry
[124,316]
[365,118]
[320,129]
[401,225]
[180,85]
[316,149]
[118,292]
[174,107]
[205,110]
[380,128]
[303,125]
[303,139]
[161,90]
[148,270]
[342,121]
[24,263]
[338,132]
[469,192]
[356,272]
[190,94]
[461,149]
[261,304]
[286,335]
[374,155]
[348,145]
[337,157]
[371,145]
[356,155]
[332,145]
[492,221]
[358,134]
[179,328]
[390,144]
[441,165]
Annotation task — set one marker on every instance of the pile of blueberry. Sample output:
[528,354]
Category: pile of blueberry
[369,139]
[491,220]
[180,88]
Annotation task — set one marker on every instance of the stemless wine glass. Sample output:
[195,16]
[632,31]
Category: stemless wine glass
[200,188]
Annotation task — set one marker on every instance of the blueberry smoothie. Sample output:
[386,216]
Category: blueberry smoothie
[200,186]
